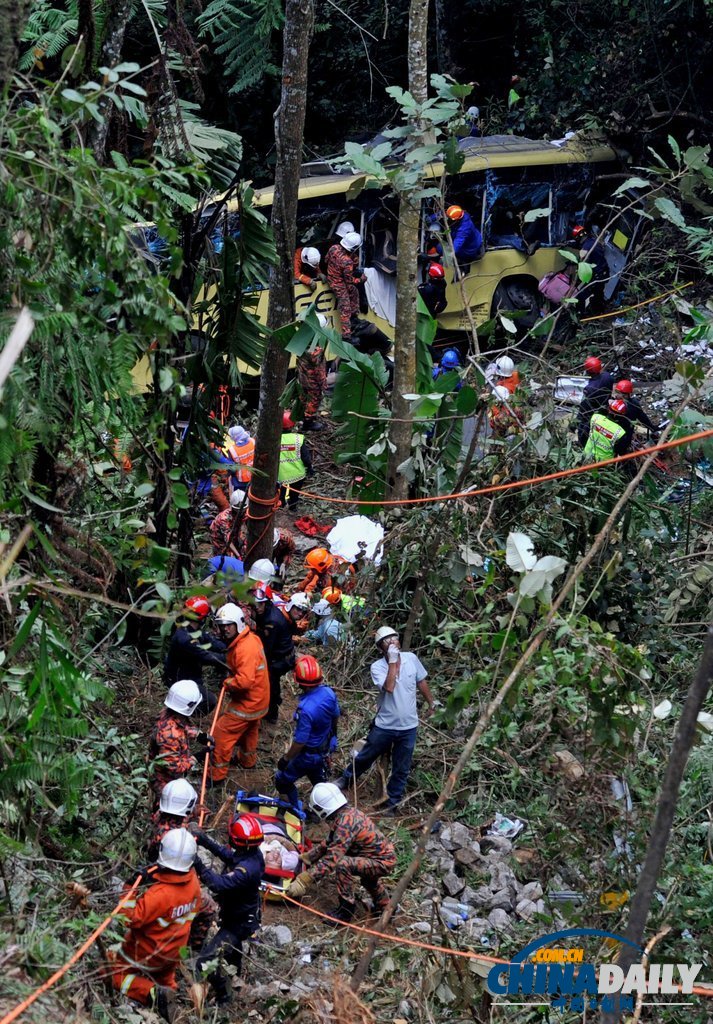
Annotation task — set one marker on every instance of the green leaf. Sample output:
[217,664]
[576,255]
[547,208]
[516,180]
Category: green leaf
[631,183]
[670,212]
[696,157]
[143,490]
[569,256]
[165,379]
[585,272]
[675,149]
[164,591]
[466,401]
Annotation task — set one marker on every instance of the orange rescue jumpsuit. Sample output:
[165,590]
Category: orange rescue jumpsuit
[159,927]
[248,689]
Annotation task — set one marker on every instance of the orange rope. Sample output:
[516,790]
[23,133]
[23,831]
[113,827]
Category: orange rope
[646,302]
[697,990]
[513,484]
[77,955]
[204,781]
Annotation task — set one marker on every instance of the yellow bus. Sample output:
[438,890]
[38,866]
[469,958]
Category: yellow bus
[524,195]
[502,179]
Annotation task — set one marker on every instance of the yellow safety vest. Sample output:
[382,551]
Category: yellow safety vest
[291,468]
[603,436]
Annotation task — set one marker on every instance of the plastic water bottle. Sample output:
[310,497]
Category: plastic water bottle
[461,909]
[450,919]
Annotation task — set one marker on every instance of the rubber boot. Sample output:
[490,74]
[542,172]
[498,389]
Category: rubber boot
[345,910]
[166,1003]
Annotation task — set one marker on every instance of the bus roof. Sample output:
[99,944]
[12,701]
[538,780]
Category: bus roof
[488,153]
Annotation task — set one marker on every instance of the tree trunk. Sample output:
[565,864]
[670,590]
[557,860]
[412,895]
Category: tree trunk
[289,131]
[117,18]
[444,52]
[13,17]
[407,271]
[668,800]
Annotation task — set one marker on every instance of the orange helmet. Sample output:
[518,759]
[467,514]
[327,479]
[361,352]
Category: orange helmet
[618,405]
[307,671]
[454,212]
[319,559]
[245,830]
[332,594]
[198,605]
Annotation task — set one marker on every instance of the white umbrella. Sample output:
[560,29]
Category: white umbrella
[353,536]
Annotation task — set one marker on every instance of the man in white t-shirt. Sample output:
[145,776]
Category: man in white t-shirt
[399,675]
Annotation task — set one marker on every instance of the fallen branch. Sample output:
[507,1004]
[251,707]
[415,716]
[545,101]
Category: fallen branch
[12,350]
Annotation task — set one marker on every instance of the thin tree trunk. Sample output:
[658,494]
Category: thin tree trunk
[117,18]
[289,132]
[13,17]
[663,822]
[444,53]
[407,271]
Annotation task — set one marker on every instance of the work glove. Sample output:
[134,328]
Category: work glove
[312,286]
[206,740]
[200,867]
[282,764]
[392,655]
[298,888]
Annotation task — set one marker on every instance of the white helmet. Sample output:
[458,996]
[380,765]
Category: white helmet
[473,112]
[178,850]
[178,797]
[344,228]
[237,498]
[323,607]
[298,600]
[261,571]
[310,256]
[323,321]
[504,366]
[231,613]
[502,393]
[351,241]
[382,633]
[183,697]
[325,799]
[259,595]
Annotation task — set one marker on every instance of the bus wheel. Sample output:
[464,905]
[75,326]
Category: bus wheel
[518,297]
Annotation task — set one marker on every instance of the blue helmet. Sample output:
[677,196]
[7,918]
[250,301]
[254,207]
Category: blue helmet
[450,359]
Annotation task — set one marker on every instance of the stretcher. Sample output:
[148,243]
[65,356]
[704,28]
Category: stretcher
[282,823]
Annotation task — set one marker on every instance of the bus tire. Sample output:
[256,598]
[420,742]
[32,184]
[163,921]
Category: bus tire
[518,295]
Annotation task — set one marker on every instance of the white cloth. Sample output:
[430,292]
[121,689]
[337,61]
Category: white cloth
[381,294]
[398,710]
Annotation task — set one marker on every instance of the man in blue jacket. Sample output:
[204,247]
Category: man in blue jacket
[237,892]
[467,240]
[315,732]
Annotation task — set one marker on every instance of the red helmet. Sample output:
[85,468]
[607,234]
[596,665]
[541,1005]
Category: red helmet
[198,605]
[436,271]
[319,559]
[245,830]
[618,405]
[307,671]
[287,421]
[578,230]
[624,387]
[455,213]
[593,364]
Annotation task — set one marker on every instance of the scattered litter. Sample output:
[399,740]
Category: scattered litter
[663,710]
[509,828]
[570,389]
[620,791]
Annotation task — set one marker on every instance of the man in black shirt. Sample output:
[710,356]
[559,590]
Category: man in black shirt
[433,292]
[192,649]
[596,395]
[276,628]
[634,410]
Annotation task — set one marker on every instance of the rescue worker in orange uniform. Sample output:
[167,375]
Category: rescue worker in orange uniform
[306,267]
[312,376]
[319,564]
[248,688]
[159,919]
[242,452]
[343,277]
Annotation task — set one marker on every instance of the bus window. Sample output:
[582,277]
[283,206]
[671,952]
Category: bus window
[382,225]
[507,202]
[467,190]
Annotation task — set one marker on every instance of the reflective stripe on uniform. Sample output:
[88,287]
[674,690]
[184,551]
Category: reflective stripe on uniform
[127,983]
[163,922]
[603,436]
[247,715]
[291,467]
